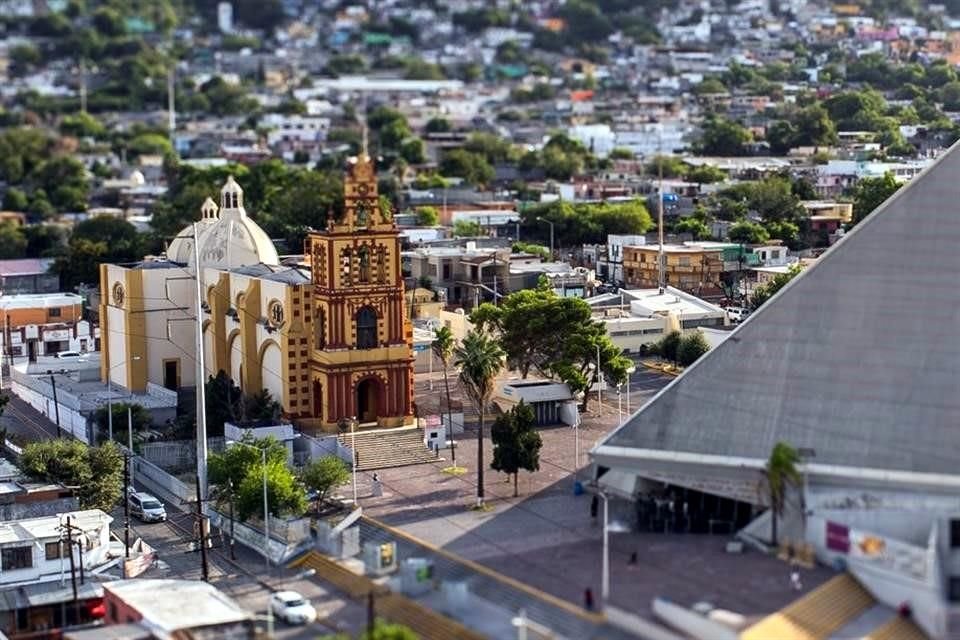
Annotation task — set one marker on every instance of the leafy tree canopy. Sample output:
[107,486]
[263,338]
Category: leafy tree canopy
[97,472]
[516,443]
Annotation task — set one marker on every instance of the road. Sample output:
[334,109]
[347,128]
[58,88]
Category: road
[247,579]
[22,420]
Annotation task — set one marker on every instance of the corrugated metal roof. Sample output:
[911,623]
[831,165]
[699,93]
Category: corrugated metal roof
[857,358]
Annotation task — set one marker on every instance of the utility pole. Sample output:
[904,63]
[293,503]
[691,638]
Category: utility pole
[233,554]
[201,379]
[171,108]
[660,265]
[371,614]
[83,85]
[73,566]
[204,568]
[126,509]
[56,405]
[130,442]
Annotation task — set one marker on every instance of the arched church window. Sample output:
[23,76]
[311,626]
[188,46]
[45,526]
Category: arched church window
[381,265]
[364,255]
[363,214]
[366,328]
[319,329]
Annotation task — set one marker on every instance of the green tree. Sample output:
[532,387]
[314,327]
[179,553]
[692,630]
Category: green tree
[443,348]
[723,137]
[323,475]
[65,182]
[150,144]
[96,471]
[224,402]
[237,473]
[467,229]
[691,347]
[870,193]
[472,167]
[45,240]
[13,242]
[781,472]
[261,407]
[516,443]
[479,359]
[414,151]
[141,421]
[438,125]
[82,125]
[747,232]
[669,346]
[814,127]
[705,174]
[764,292]
[428,216]
[710,86]
[15,200]
[694,226]
[526,323]
[285,495]
[23,59]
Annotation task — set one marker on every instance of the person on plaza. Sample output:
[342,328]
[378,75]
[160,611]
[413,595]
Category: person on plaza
[795,576]
[594,507]
[588,599]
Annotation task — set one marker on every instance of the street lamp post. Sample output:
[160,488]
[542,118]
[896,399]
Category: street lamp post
[266,512]
[110,395]
[356,458]
[630,372]
[542,219]
[605,577]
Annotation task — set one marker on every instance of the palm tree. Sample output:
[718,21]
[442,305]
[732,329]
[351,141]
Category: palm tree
[781,471]
[480,359]
[443,344]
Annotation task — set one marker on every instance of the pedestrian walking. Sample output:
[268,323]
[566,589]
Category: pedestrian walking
[795,577]
[594,507]
[633,558]
[588,599]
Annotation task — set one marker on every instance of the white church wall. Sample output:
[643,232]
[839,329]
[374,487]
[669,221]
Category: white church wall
[271,371]
[117,343]
[235,355]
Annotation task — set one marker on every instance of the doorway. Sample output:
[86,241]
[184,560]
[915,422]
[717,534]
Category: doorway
[367,392]
[171,374]
[317,400]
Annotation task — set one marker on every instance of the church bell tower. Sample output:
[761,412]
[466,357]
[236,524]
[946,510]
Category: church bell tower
[362,351]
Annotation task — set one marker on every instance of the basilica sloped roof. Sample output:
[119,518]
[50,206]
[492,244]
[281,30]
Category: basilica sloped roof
[857,358]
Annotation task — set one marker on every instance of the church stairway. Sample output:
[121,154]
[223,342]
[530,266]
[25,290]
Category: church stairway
[383,448]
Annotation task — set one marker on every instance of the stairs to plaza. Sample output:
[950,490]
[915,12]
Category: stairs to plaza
[383,448]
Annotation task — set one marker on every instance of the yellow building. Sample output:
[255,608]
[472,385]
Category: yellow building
[362,363]
[327,336]
[695,269]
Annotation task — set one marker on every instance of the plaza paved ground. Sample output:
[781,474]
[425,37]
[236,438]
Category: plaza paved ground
[547,538]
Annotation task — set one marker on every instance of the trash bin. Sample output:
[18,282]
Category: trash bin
[577,488]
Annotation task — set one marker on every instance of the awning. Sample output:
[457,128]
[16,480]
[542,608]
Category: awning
[618,483]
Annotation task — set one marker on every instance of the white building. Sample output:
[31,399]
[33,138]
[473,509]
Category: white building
[653,138]
[598,138]
[612,266]
[37,549]
[225,17]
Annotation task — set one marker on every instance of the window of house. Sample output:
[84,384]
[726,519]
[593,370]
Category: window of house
[16,558]
[446,270]
[643,257]
[685,261]
[52,550]
[381,265]
[345,258]
[54,312]
[366,328]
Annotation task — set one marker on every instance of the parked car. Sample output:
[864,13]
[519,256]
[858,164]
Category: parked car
[145,506]
[292,608]
[68,355]
[736,314]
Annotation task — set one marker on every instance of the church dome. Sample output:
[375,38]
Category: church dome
[228,238]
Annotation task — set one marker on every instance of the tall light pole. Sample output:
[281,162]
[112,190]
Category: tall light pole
[605,576]
[630,372]
[599,380]
[266,512]
[356,458]
[201,377]
[576,447]
[542,219]
[110,396]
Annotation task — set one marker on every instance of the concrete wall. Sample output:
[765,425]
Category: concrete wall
[690,622]
[38,393]
[23,510]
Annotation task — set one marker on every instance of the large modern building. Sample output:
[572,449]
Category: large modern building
[856,365]
[327,334]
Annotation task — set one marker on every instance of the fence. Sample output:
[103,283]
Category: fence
[324,446]
[177,455]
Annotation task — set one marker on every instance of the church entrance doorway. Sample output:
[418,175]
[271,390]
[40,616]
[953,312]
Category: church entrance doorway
[367,392]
